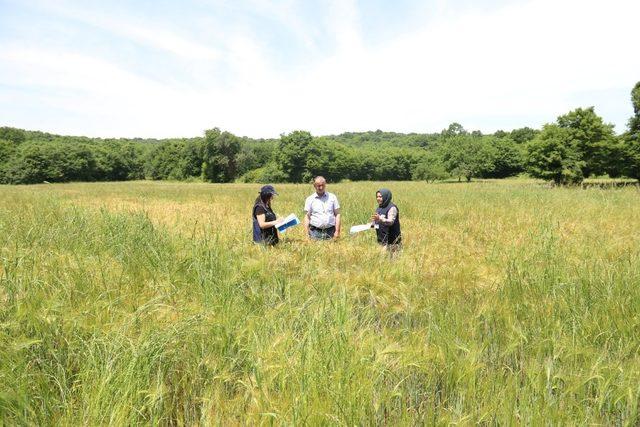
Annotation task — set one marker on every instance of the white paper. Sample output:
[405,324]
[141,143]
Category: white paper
[358,228]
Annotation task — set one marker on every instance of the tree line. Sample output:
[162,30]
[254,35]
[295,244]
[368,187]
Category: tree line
[578,145]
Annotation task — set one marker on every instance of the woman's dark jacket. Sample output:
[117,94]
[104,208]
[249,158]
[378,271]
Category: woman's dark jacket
[268,235]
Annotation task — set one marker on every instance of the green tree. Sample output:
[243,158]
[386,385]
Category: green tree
[360,163]
[191,158]
[504,158]
[53,162]
[10,139]
[7,150]
[327,158]
[220,151]
[269,173]
[163,161]
[465,156]
[454,129]
[631,139]
[119,161]
[254,154]
[430,168]
[523,135]
[13,135]
[552,157]
[634,122]
[291,156]
[593,140]
[632,157]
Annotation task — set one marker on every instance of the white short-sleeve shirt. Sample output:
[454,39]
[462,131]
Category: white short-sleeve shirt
[321,210]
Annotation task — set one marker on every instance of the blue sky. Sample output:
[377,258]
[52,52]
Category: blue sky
[260,68]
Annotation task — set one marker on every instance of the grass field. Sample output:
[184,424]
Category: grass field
[147,303]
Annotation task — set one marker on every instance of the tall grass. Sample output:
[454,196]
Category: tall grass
[146,303]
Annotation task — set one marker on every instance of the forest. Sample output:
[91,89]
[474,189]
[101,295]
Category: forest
[578,145]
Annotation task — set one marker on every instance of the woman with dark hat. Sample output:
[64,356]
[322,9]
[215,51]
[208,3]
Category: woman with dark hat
[387,221]
[264,219]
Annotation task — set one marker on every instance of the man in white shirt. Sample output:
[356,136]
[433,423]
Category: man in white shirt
[322,213]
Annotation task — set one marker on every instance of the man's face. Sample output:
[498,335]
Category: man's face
[319,186]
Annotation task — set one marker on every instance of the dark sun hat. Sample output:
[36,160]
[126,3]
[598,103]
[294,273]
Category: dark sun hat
[268,189]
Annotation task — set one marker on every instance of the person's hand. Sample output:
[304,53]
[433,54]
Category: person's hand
[336,235]
[375,217]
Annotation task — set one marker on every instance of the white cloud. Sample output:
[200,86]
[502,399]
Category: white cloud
[515,65]
[136,29]
[285,13]
[524,60]
[343,23]
[109,100]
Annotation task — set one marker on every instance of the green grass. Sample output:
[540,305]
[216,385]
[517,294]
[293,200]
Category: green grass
[146,303]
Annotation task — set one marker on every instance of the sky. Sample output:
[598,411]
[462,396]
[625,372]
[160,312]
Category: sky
[260,68]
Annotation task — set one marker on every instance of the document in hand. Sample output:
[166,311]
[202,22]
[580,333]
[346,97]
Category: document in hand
[287,222]
[358,228]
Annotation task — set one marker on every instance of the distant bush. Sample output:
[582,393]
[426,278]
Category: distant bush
[269,173]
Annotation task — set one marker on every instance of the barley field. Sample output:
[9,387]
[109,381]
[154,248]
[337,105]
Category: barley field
[147,303]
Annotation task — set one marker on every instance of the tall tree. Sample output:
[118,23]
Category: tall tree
[292,154]
[454,129]
[634,122]
[593,140]
[631,139]
[552,157]
[220,151]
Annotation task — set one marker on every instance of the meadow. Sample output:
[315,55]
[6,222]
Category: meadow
[147,303]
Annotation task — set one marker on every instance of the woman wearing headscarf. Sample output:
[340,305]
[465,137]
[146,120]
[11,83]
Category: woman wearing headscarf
[387,220]
[264,219]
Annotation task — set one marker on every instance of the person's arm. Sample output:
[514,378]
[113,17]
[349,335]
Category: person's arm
[389,220]
[336,212]
[263,223]
[307,216]
[391,217]
[306,223]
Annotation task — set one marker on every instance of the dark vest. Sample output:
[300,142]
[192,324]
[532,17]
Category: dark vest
[389,234]
[267,235]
